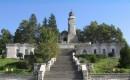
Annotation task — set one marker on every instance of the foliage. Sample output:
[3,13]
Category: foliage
[80,35]
[20,55]
[19,67]
[125,57]
[111,54]
[100,33]
[106,65]
[92,58]
[29,60]
[5,37]
[3,62]
[26,31]
[48,46]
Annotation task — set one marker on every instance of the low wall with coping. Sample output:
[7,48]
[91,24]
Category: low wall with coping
[110,76]
[41,68]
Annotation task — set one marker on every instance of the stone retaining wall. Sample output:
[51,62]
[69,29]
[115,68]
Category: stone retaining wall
[110,76]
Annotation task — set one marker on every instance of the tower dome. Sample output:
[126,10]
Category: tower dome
[71,13]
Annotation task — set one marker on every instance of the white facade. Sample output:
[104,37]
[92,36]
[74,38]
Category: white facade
[13,49]
[95,48]
[99,48]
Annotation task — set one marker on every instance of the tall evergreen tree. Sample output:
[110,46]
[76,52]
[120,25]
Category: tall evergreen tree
[32,28]
[26,31]
[52,23]
[21,34]
[45,22]
[5,38]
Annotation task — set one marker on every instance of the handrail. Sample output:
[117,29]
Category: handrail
[81,67]
[41,68]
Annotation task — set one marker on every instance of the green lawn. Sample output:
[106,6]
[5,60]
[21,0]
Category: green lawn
[5,61]
[102,64]
[106,65]
[14,64]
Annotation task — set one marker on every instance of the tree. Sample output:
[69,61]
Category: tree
[5,38]
[124,61]
[45,22]
[32,28]
[48,46]
[80,35]
[21,33]
[26,31]
[102,33]
[29,60]
[90,32]
[52,23]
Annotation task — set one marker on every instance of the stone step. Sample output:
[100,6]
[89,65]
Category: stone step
[63,69]
[63,56]
[53,75]
[64,76]
[61,72]
[63,62]
[64,65]
[62,79]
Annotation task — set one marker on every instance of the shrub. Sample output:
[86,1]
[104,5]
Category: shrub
[3,55]
[111,54]
[20,55]
[19,65]
[93,58]
[124,61]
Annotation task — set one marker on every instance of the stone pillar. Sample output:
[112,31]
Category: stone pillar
[40,75]
[85,72]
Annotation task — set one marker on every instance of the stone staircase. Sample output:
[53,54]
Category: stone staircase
[64,68]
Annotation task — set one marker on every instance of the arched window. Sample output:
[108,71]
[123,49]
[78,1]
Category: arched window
[95,51]
[65,39]
[18,51]
[84,51]
[26,51]
[113,50]
[104,51]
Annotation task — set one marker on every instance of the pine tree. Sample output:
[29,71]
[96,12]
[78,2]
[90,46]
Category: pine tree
[45,22]
[21,33]
[52,23]
[32,28]
[5,38]
[26,31]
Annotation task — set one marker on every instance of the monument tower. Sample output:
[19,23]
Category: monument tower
[72,37]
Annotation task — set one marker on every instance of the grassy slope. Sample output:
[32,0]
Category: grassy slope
[6,61]
[105,65]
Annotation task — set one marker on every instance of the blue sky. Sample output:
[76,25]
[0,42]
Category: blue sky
[116,12]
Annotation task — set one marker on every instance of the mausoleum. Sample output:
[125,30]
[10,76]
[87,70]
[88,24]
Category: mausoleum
[69,39]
